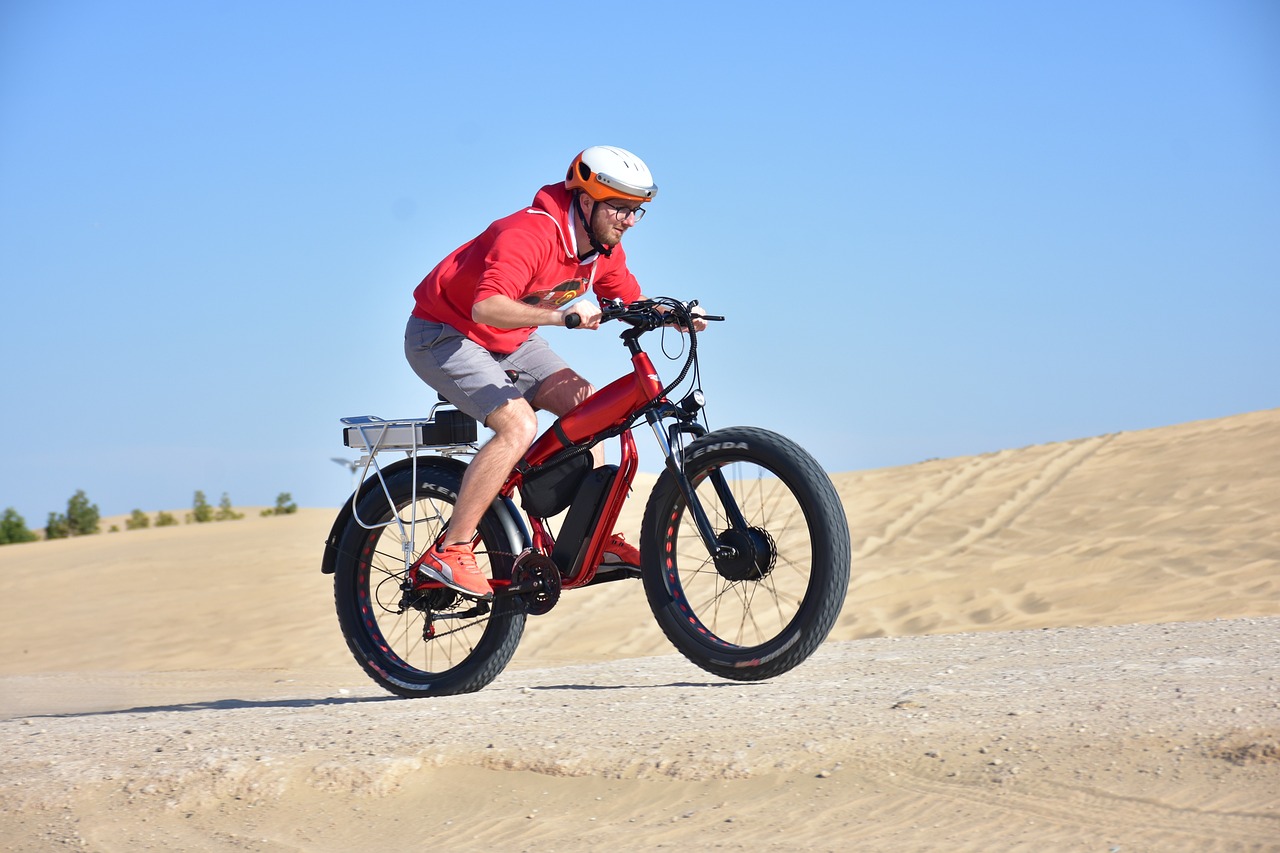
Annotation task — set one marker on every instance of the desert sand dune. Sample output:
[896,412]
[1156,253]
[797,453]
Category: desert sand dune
[1105,675]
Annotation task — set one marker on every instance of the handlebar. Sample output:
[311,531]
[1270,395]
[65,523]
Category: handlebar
[646,314]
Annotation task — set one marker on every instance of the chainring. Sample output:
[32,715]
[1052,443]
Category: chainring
[540,568]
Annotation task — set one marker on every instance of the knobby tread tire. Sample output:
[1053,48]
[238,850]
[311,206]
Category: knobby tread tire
[482,653]
[669,543]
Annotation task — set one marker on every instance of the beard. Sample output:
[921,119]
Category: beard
[607,228]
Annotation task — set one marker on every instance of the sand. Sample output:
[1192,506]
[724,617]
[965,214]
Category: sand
[1073,646]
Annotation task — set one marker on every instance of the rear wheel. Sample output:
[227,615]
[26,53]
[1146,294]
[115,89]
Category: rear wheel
[771,598]
[432,642]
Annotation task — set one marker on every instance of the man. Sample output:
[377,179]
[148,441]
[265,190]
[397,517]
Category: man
[472,335]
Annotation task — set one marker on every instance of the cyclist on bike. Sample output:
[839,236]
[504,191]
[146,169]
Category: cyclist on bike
[472,334]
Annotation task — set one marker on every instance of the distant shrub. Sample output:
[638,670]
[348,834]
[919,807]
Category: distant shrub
[13,528]
[201,512]
[165,519]
[137,520]
[56,527]
[82,516]
[225,512]
[284,505]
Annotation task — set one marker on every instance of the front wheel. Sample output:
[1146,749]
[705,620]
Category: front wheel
[771,595]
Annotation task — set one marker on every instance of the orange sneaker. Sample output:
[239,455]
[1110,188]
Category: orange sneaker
[618,553]
[455,567]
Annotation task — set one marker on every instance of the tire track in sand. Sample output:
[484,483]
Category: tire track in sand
[1050,474]
[959,482]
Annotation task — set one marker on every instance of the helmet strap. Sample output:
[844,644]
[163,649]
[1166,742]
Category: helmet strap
[587,226]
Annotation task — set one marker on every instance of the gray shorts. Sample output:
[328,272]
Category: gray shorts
[470,377]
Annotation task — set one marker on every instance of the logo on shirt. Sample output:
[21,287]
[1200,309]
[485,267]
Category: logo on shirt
[562,294]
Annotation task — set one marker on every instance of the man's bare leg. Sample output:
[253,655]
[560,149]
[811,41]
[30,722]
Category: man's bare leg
[514,425]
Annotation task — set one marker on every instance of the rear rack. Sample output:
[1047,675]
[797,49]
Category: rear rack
[446,429]
[445,432]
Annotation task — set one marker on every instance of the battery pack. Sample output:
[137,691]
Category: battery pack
[581,518]
[448,427]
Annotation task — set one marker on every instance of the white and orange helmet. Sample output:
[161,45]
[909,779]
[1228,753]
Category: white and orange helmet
[604,172]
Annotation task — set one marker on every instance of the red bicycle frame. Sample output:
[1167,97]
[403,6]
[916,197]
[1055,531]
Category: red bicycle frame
[607,409]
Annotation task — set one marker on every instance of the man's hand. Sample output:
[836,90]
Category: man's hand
[588,314]
[698,323]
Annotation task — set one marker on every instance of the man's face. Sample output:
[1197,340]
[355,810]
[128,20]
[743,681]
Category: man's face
[611,219]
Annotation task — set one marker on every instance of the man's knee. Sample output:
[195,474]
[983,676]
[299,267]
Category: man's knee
[562,391]
[514,421]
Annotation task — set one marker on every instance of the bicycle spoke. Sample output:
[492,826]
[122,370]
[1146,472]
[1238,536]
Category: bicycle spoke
[428,641]
[752,610]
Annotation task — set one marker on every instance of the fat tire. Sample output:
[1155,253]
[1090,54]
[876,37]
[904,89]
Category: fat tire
[685,589]
[389,646]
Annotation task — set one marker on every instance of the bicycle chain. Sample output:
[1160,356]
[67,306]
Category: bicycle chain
[400,579]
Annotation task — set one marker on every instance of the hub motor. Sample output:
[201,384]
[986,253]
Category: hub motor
[754,554]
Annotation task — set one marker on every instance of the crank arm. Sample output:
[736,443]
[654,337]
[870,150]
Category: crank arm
[531,585]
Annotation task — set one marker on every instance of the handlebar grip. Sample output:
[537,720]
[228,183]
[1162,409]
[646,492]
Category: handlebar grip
[572,321]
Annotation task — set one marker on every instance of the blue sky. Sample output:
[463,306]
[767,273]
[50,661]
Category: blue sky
[937,228]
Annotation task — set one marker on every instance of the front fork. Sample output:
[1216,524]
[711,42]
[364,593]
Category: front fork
[667,439]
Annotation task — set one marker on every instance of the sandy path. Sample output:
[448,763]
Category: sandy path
[1141,737]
